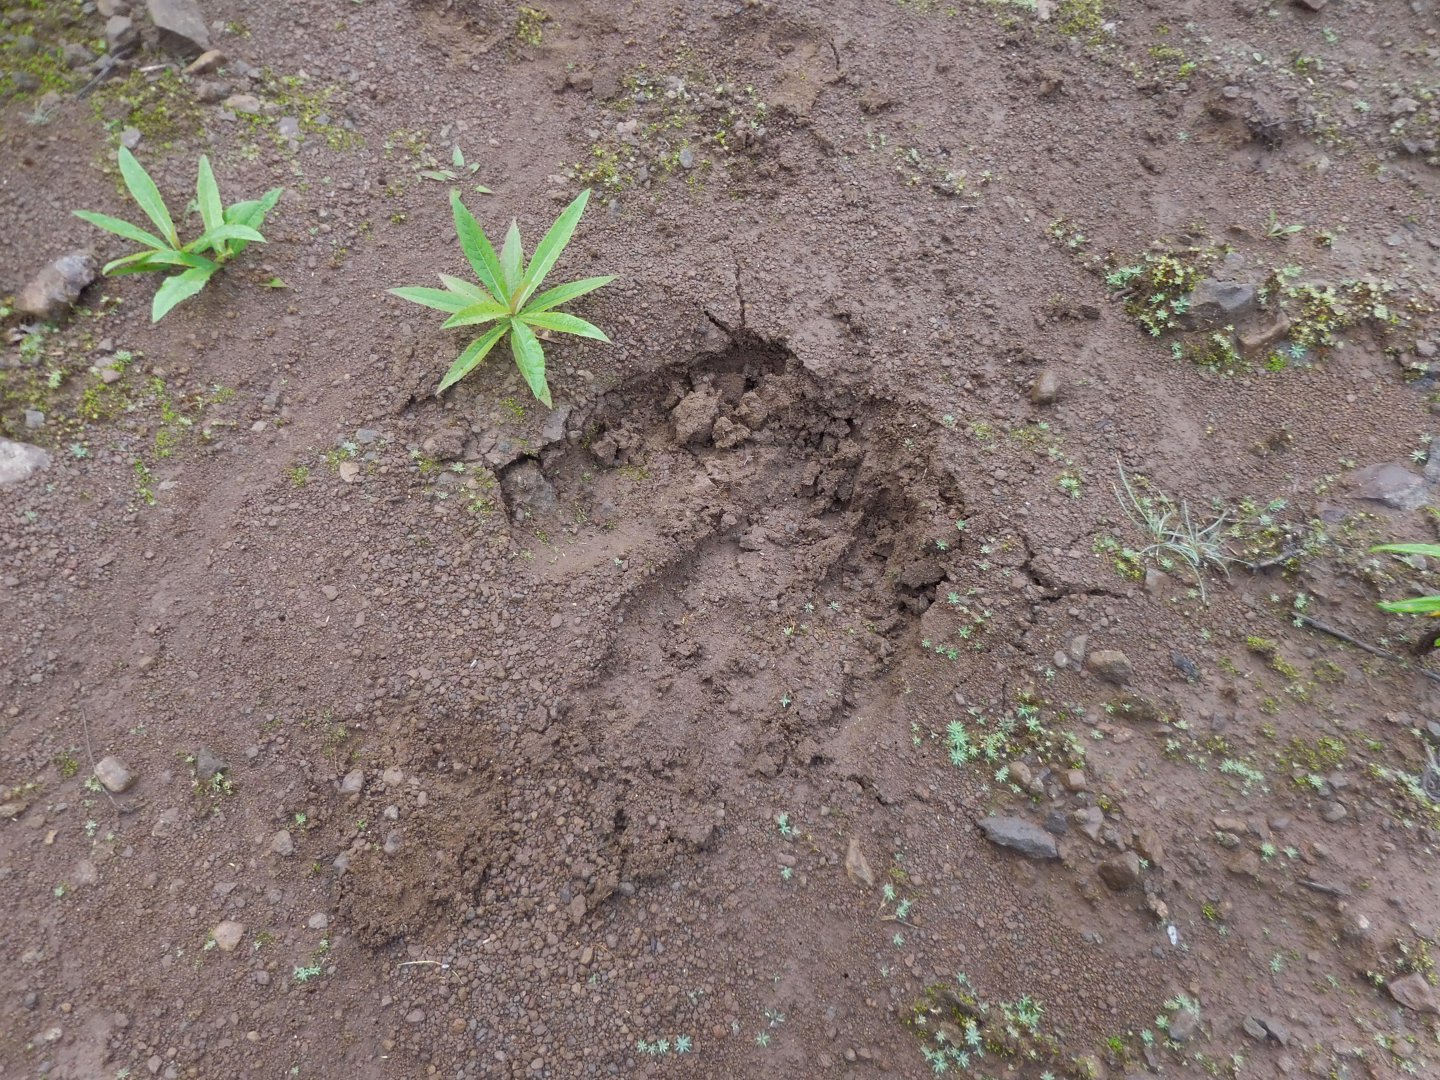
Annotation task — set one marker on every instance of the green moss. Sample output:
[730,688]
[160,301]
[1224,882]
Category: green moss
[311,106]
[161,108]
[671,128]
[37,66]
[530,25]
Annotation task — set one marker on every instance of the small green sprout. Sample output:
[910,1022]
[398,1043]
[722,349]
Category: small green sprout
[227,233]
[506,296]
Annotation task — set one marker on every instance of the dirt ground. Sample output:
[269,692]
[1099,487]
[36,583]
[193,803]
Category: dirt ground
[653,735]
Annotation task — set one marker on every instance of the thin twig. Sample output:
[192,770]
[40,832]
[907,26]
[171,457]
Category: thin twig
[413,963]
[1321,887]
[1373,650]
[90,752]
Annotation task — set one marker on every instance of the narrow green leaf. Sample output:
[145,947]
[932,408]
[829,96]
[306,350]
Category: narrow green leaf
[561,294]
[476,351]
[1420,605]
[252,212]
[137,263]
[565,324]
[549,249]
[207,194]
[145,261]
[478,250]
[144,192]
[530,359]
[438,299]
[457,158]
[122,228]
[177,288]
[477,314]
[476,294]
[511,258]
[1431,550]
[223,234]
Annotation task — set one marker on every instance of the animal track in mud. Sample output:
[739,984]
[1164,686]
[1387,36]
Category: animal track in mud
[790,533]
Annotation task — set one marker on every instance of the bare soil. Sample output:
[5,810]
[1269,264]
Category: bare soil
[651,735]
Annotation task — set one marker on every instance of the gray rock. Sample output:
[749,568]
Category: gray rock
[54,290]
[106,8]
[181,25]
[1311,5]
[112,772]
[1112,665]
[243,103]
[166,823]
[211,90]
[353,782]
[1413,992]
[208,764]
[1183,1025]
[130,138]
[1391,484]
[289,127]
[282,844]
[1334,812]
[227,935]
[392,777]
[20,461]
[1045,390]
[857,867]
[553,429]
[1089,820]
[695,416]
[76,55]
[1215,304]
[119,32]
[1254,1028]
[526,490]
[1020,835]
[1121,872]
[319,921]
[34,419]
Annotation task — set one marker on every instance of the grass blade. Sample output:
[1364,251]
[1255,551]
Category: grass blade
[438,299]
[207,194]
[478,250]
[468,289]
[136,263]
[253,211]
[549,249]
[477,314]
[561,293]
[476,351]
[565,324]
[530,359]
[144,192]
[123,228]
[511,256]
[178,288]
[1430,550]
[224,234]
[1420,605]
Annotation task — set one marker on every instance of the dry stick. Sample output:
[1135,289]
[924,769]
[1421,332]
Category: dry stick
[1372,649]
[90,751]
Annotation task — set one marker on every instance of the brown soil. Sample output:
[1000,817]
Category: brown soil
[628,710]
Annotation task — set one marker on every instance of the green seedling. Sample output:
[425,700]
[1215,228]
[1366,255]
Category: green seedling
[1419,605]
[459,169]
[227,233]
[507,298]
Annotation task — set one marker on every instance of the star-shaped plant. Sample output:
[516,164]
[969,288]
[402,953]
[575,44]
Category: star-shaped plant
[506,296]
